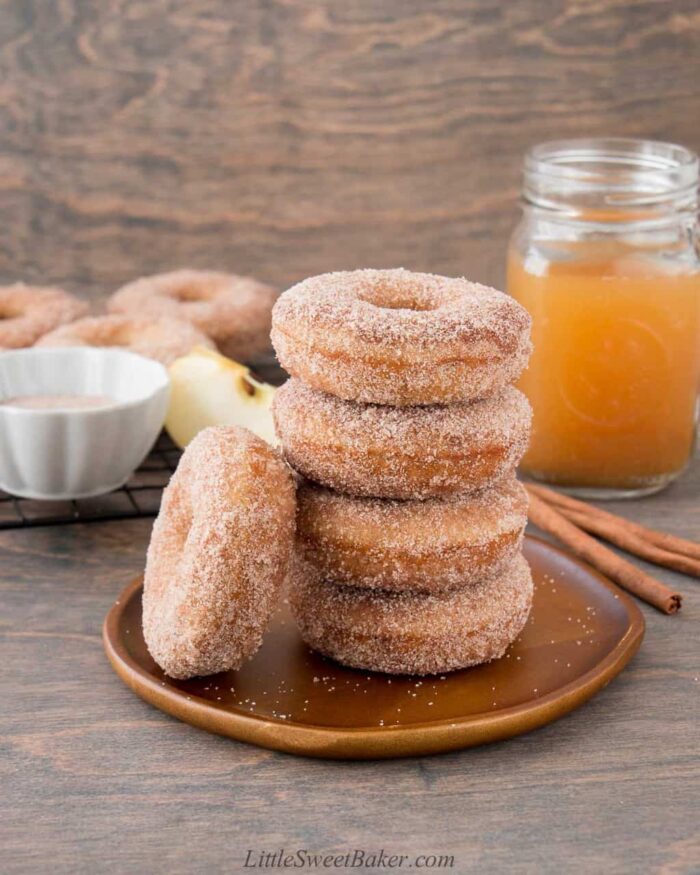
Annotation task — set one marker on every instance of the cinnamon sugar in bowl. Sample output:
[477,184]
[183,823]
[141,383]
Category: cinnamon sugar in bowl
[76,422]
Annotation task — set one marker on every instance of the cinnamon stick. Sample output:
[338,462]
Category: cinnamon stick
[672,543]
[627,540]
[623,573]
[618,531]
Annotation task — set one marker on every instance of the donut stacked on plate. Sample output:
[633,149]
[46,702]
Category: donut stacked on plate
[403,421]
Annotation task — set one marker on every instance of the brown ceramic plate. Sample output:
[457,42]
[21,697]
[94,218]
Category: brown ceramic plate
[581,633]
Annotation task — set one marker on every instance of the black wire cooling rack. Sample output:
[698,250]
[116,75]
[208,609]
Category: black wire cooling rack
[139,497]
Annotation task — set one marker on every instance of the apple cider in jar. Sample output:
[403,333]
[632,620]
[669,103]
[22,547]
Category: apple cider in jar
[605,260]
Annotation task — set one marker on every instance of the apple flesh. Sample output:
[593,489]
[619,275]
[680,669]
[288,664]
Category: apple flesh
[209,389]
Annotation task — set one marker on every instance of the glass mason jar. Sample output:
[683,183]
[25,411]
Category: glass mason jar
[605,258]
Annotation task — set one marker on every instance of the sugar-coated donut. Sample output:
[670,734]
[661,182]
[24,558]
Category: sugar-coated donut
[29,312]
[218,554]
[400,338]
[161,339]
[411,633]
[233,310]
[413,546]
[401,452]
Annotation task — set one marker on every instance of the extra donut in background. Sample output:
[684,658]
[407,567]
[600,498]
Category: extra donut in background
[400,338]
[29,312]
[161,339]
[234,311]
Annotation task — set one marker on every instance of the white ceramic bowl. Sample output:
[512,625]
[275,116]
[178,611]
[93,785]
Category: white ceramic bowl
[75,453]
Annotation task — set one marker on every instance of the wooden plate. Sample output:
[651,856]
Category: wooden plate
[581,633]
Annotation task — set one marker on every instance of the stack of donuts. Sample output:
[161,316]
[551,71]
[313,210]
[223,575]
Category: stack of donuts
[402,421]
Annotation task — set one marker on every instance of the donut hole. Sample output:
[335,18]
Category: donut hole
[407,304]
[388,297]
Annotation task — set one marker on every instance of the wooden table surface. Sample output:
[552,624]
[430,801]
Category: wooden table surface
[95,780]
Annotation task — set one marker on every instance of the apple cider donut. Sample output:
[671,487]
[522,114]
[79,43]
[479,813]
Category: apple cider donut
[401,452]
[234,311]
[161,339]
[218,554]
[411,633]
[29,312]
[400,338]
[414,546]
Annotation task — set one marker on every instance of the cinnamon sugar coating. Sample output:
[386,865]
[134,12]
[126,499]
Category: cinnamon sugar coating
[402,633]
[161,339]
[218,554]
[29,312]
[412,546]
[400,338]
[392,452]
[234,311]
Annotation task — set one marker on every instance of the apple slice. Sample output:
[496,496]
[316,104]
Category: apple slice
[209,389]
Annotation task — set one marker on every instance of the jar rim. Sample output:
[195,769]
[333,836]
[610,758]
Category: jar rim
[612,173]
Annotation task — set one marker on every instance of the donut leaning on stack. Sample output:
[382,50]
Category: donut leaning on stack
[402,419]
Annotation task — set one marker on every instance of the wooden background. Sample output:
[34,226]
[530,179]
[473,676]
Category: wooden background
[288,137]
